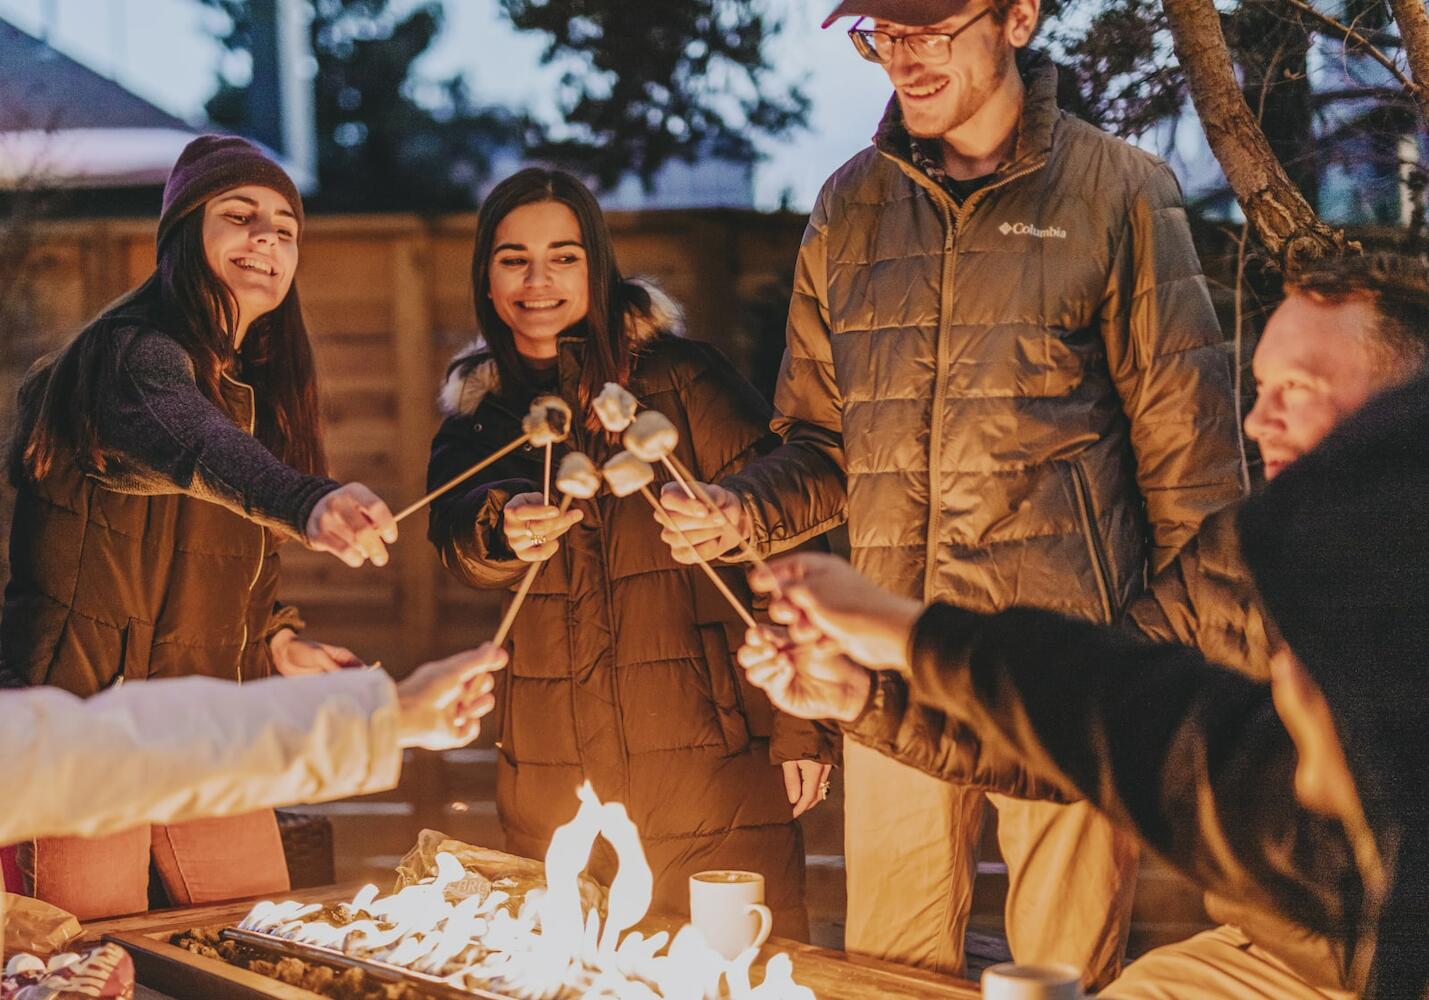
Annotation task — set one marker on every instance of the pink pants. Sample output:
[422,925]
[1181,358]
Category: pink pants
[203,861]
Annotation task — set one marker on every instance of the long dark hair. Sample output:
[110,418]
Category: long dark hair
[185,300]
[608,355]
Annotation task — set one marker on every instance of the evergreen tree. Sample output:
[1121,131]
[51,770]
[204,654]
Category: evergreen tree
[675,79]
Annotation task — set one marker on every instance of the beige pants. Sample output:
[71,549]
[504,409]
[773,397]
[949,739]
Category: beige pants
[1219,963]
[910,843]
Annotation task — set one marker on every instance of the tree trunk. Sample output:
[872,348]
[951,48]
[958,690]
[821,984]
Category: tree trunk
[1271,48]
[1277,212]
[1413,19]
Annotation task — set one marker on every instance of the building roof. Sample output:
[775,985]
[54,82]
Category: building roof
[41,88]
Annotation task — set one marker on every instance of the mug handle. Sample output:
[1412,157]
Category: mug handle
[766,923]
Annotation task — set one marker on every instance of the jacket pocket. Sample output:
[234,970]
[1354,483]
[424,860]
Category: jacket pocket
[724,688]
[1095,549]
[138,647]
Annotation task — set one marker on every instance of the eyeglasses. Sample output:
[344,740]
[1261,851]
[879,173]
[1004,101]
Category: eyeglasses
[925,46]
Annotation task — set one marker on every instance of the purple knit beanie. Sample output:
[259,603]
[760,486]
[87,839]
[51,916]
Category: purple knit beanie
[213,164]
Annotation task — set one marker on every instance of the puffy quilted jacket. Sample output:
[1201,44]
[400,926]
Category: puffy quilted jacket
[1021,399]
[621,668]
[166,564]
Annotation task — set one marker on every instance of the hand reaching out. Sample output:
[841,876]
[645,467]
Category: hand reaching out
[710,534]
[532,526]
[826,598]
[352,523]
[809,681]
[442,703]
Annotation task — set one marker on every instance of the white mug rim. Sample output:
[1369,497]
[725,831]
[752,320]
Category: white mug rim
[752,876]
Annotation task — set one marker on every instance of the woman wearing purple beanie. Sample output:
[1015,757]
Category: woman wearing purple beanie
[160,457]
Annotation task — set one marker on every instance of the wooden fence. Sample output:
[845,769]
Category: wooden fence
[388,301]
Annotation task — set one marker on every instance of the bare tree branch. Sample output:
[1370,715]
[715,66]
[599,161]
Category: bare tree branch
[1276,210]
[1412,17]
[1351,35]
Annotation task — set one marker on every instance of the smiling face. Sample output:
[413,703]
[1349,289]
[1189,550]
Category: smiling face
[250,240]
[1315,365]
[938,98]
[539,283]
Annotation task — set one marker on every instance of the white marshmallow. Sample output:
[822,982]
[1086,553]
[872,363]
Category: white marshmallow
[23,963]
[548,421]
[626,474]
[578,477]
[651,437]
[61,961]
[614,408]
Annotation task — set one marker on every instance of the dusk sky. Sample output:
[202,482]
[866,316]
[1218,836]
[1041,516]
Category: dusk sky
[164,51]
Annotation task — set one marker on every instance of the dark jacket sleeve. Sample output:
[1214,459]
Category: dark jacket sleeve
[1164,348]
[1205,598]
[800,490]
[940,747]
[465,523]
[1189,755]
[160,434]
[728,422]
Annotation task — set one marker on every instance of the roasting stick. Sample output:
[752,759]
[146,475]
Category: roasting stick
[627,474]
[651,437]
[417,505]
[577,478]
[546,479]
[548,421]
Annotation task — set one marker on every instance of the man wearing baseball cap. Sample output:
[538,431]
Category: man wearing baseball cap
[1003,369]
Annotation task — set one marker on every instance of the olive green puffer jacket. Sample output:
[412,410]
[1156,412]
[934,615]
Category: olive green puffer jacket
[1022,399]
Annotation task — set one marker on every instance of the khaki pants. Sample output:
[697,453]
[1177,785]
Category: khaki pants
[910,843]
[1216,964]
[203,861]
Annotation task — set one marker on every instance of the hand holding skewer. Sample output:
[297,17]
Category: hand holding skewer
[577,479]
[548,422]
[627,474]
[653,438]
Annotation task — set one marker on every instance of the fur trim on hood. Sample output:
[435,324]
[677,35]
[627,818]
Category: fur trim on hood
[472,372]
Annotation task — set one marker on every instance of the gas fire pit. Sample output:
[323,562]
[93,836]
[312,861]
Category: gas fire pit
[449,933]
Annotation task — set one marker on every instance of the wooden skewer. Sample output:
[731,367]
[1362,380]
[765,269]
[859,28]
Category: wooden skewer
[691,486]
[546,482]
[509,619]
[720,585]
[417,505]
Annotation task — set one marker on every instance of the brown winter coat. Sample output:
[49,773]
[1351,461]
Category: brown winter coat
[621,669]
[166,563]
[1021,399]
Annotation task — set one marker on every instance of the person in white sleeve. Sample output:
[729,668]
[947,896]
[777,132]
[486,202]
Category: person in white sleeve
[173,750]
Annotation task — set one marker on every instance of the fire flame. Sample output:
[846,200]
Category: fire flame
[550,950]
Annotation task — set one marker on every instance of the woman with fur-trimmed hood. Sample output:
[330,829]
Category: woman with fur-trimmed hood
[621,670]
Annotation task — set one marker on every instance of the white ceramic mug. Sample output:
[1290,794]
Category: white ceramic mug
[1010,981]
[728,908]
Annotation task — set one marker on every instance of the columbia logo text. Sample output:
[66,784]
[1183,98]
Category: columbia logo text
[1027,229]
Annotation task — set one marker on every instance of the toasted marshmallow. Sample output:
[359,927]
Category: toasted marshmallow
[614,408]
[626,474]
[548,421]
[651,437]
[578,477]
